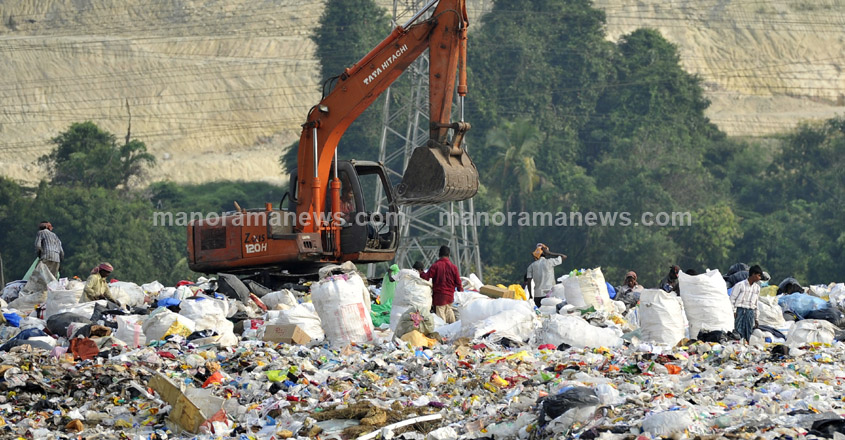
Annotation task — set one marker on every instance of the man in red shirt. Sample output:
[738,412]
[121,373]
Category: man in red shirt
[444,278]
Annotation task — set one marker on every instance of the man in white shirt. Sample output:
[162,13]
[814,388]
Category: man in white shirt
[542,272]
[744,297]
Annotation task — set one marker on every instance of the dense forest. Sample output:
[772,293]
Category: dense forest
[564,121]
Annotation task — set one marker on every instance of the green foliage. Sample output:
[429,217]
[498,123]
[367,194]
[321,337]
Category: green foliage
[88,156]
[99,224]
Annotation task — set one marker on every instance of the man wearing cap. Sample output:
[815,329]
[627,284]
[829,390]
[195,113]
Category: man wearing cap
[629,291]
[48,247]
[97,287]
[744,296]
[542,272]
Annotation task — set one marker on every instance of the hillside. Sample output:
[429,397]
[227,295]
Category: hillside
[218,89]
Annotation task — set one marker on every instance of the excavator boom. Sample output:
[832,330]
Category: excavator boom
[439,172]
[318,227]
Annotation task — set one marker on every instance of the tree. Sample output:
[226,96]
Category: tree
[543,58]
[348,30]
[515,145]
[88,156]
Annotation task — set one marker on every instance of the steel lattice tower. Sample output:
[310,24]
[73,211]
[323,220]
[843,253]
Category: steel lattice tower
[405,127]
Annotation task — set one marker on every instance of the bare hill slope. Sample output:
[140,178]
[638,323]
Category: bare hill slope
[217,89]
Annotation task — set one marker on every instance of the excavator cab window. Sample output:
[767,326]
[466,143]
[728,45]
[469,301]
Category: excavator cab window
[365,227]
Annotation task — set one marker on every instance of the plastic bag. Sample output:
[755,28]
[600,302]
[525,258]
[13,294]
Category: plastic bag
[417,319]
[34,292]
[668,422]
[552,407]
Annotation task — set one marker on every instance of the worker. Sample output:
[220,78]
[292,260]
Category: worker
[670,283]
[744,297]
[629,291]
[347,205]
[445,280]
[97,287]
[542,272]
[418,266]
[48,247]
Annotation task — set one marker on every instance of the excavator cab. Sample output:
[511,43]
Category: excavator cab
[368,233]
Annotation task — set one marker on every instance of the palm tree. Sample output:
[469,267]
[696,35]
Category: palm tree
[515,144]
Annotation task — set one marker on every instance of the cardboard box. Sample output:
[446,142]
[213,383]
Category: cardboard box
[286,334]
[192,407]
[496,292]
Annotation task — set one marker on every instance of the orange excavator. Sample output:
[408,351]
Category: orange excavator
[326,219]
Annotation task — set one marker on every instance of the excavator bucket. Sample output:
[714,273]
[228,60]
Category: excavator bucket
[436,176]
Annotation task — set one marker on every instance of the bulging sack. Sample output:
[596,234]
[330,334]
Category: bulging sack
[661,314]
[588,289]
[770,312]
[574,331]
[811,330]
[706,302]
[302,315]
[162,322]
[343,304]
[410,291]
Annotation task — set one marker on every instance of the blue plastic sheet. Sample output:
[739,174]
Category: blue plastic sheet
[801,303]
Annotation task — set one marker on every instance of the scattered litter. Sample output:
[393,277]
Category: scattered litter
[195,361]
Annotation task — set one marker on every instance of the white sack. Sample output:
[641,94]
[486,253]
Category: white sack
[558,291]
[343,304]
[34,292]
[152,288]
[516,324]
[706,302]
[668,422]
[160,321]
[302,315]
[130,331]
[127,294]
[588,290]
[85,309]
[576,332]
[204,311]
[411,290]
[281,297]
[811,330]
[61,299]
[480,310]
[770,312]
[661,315]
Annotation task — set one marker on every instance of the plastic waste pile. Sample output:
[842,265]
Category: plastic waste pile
[200,361]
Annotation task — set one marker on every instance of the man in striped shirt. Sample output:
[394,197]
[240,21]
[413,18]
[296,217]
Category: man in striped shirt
[744,299]
[49,247]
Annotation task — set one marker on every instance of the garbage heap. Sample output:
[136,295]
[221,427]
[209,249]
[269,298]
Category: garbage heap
[226,359]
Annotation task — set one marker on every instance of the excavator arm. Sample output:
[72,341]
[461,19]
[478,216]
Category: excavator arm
[437,173]
[267,243]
